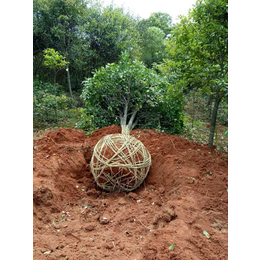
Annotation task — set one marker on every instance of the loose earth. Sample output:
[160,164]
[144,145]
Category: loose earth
[183,198]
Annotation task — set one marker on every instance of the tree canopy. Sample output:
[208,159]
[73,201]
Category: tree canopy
[123,90]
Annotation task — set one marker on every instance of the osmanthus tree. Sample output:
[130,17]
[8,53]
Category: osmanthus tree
[198,52]
[124,91]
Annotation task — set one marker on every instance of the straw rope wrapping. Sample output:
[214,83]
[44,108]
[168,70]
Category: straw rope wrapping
[120,162]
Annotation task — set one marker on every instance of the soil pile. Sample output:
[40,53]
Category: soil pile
[184,194]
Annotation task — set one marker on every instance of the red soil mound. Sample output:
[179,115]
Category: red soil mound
[184,194]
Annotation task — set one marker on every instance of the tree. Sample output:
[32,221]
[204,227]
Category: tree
[153,32]
[55,25]
[110,32]
[159,20]
[153,46]
[84,32]
[198,52]
[54,61]
[122,91]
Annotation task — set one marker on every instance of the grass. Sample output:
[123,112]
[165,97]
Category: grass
[67,118]
[197,122]
[200,133]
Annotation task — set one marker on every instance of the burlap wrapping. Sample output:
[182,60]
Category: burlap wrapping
[120,162]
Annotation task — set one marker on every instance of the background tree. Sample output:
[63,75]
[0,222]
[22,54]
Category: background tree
[87,34]
[198,52]
[56,62]
[55,26]
[153,45]
[110,32]
[159,20]
[153,32]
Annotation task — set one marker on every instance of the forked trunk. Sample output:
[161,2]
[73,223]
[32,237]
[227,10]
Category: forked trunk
[126,128]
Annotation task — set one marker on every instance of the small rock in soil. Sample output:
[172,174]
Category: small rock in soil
[133,196]
[108,245]
[89,227]
[122,201]
[93,193]
[47,252]
[103,220]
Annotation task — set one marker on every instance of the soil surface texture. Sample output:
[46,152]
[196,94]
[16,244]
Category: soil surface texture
[182,202]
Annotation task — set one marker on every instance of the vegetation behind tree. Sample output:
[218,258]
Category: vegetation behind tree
[184,66]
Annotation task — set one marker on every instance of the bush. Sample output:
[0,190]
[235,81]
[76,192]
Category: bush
[48,100]
[166,114]
[85,122]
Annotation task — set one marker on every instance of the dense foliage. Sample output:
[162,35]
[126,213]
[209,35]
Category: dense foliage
[49,101]
[128,90]
[168,66]
[198,53]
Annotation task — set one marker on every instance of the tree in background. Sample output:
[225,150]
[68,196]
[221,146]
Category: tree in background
[55,26]
[111,31]
[159,20]
[198,52]
[56,62]
[88,35]
[153,32]
[153,46]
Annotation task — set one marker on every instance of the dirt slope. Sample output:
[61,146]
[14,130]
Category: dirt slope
[184,193]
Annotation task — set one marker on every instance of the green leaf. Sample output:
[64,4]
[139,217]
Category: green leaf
[172,247]
[206,234]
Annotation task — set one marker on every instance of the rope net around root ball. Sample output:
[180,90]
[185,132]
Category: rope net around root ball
[120,162]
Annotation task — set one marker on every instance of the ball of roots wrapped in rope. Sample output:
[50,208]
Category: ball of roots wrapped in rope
[120,162]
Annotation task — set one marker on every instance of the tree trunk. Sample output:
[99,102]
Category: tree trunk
[209,104]
[214,119]
[56,107]
[126,128]
[210,98]
[131,121]
[68,74]
[123,120]
[193,108]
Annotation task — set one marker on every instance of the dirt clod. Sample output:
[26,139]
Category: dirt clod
[89,227]
[133,196]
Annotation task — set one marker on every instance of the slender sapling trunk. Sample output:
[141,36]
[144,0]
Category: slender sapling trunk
[68,74]
[193,108]
[214,119]
[56,105]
